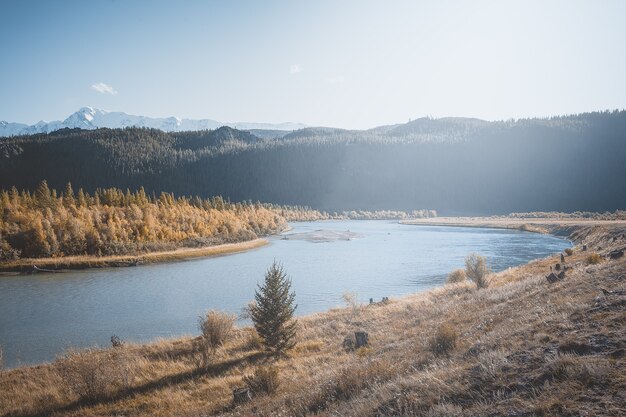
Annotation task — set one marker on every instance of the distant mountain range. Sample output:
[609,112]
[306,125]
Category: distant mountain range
[89,118]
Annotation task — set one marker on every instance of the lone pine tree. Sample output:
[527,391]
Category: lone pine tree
[272,314]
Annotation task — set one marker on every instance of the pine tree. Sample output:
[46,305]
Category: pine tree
[272,314]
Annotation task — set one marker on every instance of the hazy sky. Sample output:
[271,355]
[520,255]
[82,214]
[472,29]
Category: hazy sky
[353,64]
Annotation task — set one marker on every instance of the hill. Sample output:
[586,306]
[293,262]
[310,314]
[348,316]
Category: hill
[453,165]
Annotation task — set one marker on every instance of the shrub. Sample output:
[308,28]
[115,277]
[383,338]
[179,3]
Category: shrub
[594,259]
[215,328]
[569,251]
[477,270]
[351,300]
[456,276]
[264,380]
[444,340]
[272,312]
[93,374]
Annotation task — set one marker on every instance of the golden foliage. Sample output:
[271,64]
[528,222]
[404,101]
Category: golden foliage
[112,222]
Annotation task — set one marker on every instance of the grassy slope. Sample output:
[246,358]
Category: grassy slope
[525,347]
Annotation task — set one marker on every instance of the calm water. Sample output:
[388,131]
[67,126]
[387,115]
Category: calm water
[41,315]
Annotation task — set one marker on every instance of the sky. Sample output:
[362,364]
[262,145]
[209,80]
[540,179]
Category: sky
[350,64]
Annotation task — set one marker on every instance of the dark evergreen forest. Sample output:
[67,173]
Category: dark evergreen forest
[454,165]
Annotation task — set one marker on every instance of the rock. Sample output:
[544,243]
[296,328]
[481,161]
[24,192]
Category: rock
[552,278]
[616,254]
[561,275]
[584,247]
[116,341]
[362,339]
[348,344]
[241,395]
[617,354]
[562,258]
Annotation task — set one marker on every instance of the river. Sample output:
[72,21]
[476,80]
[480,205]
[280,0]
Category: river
[42,315]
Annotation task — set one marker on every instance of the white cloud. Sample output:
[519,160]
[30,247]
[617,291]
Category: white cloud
[335,79]
[103,88]
[295,68]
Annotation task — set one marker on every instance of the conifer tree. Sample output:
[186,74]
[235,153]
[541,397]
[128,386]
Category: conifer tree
[82,202]
[42,195]
[272,313]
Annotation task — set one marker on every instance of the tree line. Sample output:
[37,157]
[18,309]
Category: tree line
[45,223]
[456,166]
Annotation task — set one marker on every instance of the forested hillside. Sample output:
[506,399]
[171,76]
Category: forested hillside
[453,165]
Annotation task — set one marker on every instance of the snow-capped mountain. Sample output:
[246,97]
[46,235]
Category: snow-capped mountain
[11,129]
[90,118]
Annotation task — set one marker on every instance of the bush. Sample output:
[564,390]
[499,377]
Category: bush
[215,327]
[351,300]
[94,374]
[444,340]
[456,276]
[569,251]
[264,380]
[477,270]
[594,259]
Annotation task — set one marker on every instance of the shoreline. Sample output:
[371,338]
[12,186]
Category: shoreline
[62,264]
[574,230]
[519,330]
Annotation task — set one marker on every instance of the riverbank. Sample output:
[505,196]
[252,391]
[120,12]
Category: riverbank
[577,230]
[85,262]
[523,346]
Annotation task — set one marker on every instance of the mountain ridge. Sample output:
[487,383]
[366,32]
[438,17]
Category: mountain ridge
[90,118]
[456,166]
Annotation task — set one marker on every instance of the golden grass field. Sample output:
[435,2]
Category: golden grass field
[86,261]
[524,347]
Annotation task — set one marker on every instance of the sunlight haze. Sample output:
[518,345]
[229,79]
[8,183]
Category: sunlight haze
[351,64]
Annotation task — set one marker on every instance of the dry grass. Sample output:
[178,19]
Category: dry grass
[523,347]
[444,340]
[593,259]
[264,380]
[456,276]
[83,262]
[93,375]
